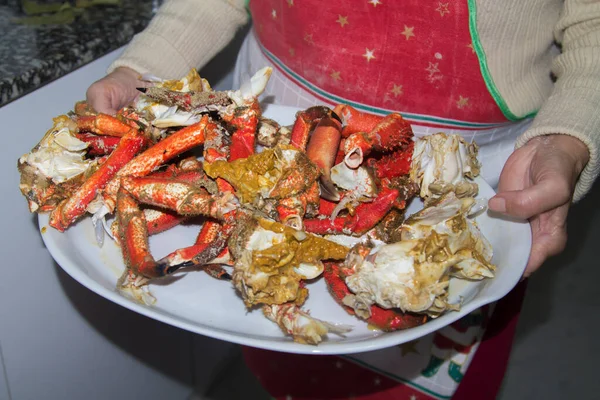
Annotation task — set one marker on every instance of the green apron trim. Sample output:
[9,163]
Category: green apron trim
[487,77]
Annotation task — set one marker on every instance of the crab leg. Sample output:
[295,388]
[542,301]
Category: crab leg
[179,142]
[158,221]
[72,208]
[366,216]
[212,239]
[133,238]
[300,325]
[209,245]
[305,123]
[102,124]
[355,121]
[396,164]
[98,145]
[243,140]
[391,133]
[180,196]
[322,150]
[386,320]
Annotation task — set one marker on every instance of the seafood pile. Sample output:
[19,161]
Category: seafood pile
[278,206]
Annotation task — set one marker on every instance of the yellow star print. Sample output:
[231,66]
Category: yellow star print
[292,51]
[342,20]
[273,14]
[309,38]
[408,32]
[442,9]
[290,3]
[369,55]
[432,68]
[335,75]
[375,3]
[462,102]
[470,45]
[397,90]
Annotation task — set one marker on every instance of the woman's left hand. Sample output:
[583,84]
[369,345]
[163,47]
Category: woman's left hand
[537,183]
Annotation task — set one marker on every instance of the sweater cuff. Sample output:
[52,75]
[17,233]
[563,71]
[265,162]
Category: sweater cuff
[571,112]
[184,34]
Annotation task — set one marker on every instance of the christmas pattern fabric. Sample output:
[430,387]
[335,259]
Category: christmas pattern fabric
[412,56]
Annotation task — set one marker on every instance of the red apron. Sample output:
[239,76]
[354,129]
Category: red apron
[410,56]
[417,58]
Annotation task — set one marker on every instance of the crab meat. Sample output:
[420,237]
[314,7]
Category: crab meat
[277,173]
[357,180]
[59,156]
[273,259]
[443,163]
[438,242]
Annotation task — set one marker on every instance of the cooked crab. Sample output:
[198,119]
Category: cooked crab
[413,275]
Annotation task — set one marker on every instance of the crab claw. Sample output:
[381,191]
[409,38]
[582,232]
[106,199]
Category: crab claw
[252,88]
[322,149]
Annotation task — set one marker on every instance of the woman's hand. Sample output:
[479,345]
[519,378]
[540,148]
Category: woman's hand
[116,90]
[537,183]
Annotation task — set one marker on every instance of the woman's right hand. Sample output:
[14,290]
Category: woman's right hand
[116,90]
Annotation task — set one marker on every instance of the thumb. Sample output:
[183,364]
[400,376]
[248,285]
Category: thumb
[545,195]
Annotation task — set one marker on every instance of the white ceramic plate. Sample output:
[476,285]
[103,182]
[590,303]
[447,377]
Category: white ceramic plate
[204,305]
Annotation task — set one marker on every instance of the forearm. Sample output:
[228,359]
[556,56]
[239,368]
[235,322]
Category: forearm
[184,34]
[572,109]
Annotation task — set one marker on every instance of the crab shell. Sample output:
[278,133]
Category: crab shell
[443,163]
[271,260]
[413,274]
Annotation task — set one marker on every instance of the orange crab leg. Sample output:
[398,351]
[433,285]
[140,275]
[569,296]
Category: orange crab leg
[158,221]
[393,165]
[210,244]
[133,236]
[69,210]
[179,142]
[366,216]
[391,133]
[179,196]
[102,124]
[322,150]
[98,145]
[305,123]
[356,121]
[212,239]
[244,138]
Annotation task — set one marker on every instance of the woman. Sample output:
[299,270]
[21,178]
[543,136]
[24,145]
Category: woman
[476,67]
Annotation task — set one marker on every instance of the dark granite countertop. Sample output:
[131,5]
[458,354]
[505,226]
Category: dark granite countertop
[34,55]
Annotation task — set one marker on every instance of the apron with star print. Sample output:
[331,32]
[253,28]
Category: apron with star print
[415,57]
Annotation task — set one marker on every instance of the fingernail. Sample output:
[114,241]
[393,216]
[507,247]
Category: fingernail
[497,204]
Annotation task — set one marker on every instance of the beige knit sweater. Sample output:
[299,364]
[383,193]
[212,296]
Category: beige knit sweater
[515,39]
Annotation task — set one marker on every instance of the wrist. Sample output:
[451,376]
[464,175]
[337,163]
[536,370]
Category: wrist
[125,71]
[571,146]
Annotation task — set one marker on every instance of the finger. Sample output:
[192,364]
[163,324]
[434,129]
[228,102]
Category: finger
[544,245]
[546,195]
[100,100]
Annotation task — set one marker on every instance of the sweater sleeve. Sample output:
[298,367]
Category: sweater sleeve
[183,34]
[572,108]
